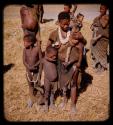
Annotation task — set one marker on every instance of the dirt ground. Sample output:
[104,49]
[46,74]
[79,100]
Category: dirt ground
[93,102]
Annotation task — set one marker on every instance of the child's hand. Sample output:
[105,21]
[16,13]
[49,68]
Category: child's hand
[32,68]
[65,64]
[78,65]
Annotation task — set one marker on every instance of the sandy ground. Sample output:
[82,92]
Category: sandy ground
[93,102]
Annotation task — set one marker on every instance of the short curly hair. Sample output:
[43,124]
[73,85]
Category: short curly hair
[51,49]
[30,37]
[63,15]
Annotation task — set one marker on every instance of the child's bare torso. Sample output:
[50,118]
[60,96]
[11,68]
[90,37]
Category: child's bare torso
[32,56]
[50,69]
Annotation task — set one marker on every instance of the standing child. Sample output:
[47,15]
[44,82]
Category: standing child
[50,76]
[31,61]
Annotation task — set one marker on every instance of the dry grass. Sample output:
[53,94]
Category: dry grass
[92,105]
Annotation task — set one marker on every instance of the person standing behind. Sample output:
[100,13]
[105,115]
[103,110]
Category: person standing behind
[100,40]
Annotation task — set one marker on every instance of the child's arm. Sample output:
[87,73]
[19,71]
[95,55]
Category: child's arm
[39,52]
[53,40]
[24,59]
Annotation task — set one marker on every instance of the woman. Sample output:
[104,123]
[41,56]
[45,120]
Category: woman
[100,40]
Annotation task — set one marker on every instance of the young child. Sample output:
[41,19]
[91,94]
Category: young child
[60,39]
[50,76]
[77,38]
[67,8]
[78,20]
[31,60]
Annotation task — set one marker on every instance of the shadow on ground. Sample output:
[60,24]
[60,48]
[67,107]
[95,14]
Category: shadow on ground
[7,67]
[86,80]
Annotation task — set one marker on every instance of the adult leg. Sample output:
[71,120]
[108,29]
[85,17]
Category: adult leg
[65,100]
[74,92]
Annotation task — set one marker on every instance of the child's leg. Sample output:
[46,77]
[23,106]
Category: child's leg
[32,91]
[47,93]
[52,99]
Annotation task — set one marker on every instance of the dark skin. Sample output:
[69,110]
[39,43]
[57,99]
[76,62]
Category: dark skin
[28,17]
[76,39]
[30,56]
[50,66]
[31,62]
[29,21]
[64,25]
[78,20]
[50,72]
[103,10]
[68,8]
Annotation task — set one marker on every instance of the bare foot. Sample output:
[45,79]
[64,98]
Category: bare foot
[30,103]
[62,106]
[52,107]
[45,109]
[73,110]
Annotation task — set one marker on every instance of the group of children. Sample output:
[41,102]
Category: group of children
[61,63]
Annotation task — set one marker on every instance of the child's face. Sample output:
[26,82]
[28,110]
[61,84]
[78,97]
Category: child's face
[52,56]
[103,10]
[75,29]
[64,24]
[27,43]
[67,9]
[80,18]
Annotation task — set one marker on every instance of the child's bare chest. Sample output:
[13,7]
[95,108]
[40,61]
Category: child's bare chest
[32,55]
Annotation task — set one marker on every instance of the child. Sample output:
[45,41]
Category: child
[60,39]
[67,8]
[31,61]
[78,20]
[50,76]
